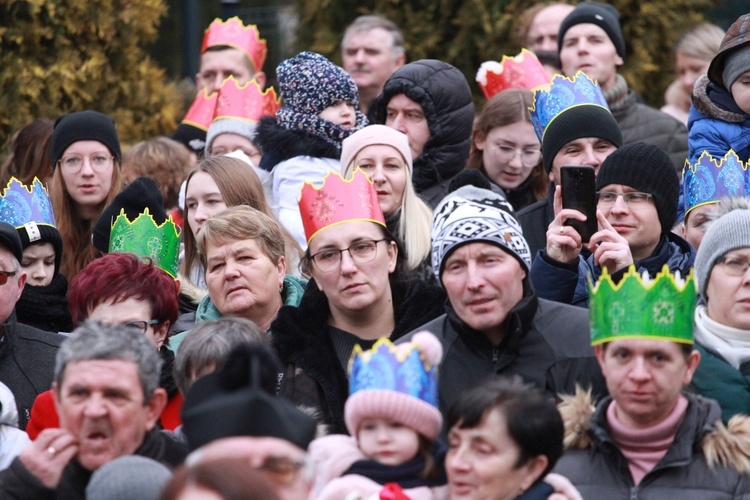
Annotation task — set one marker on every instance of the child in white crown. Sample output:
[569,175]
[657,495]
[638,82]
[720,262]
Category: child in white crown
[394,422]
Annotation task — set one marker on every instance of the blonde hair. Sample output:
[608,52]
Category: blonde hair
[76,232]
[701,42]
[414,220]
[238,185]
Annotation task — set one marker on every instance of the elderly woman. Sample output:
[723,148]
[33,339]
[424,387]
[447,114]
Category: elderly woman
[722,320]
[495,449]
[357,295]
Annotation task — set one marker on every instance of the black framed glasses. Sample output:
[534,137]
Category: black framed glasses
[141,325]
[361,252]
[608,198]
[4,276]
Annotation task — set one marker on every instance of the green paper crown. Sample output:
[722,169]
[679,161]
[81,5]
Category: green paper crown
[658,309]
[145,238]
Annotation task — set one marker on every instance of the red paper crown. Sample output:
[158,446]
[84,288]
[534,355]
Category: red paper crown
[235,34]
[201,112]
[339,200]
[523,71]
[245,102]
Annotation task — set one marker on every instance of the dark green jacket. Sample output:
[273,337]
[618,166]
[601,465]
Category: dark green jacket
[717,379]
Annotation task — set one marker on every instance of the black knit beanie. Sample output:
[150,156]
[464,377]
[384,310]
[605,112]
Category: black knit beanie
[648,169]
[603,15]
[84,126]
[41,233]
[191,137]
[578,122]
[140,194]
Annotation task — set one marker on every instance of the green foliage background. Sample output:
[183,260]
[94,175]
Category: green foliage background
[466,33]
[58,56]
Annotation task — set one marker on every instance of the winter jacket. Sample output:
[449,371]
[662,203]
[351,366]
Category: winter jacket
[547,344]
[676,102]
[445,97]
[716,123]
[27,363]
[567,283]
[291,294]
[639,122]
[716,379]
[595,465]
[313,376]
[17,482]
[535,219]
[12,439]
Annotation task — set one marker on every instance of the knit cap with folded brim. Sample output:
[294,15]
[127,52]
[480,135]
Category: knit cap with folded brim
[374,135]
[130,477]
[243,128]
[471,215]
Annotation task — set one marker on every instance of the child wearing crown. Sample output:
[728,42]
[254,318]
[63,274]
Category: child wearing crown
[393,420]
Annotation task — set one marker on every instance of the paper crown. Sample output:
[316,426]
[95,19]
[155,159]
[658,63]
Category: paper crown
[337,201]
[709,180]
[201,112]
[21,204]
[235,34]
[145,238]
[245,102]
[386,367]
[638,308]
[561,94]
[523,71]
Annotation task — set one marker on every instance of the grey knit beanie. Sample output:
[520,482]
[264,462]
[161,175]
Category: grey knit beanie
[736,63]
[129,477]
[729,232]
[244,128]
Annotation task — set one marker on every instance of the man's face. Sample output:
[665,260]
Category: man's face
[542,33]
[586,151]
[218,65]
[645,378]
[368,57]
[10,292]
[483,283]
[101,403]
[638,223]
[586,47]
[407,117]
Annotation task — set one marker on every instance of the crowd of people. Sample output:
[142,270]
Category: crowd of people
[364,287]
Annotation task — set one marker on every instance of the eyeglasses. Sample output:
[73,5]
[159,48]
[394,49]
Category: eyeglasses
[4,276]
[73,163]
[608,198]
[142,325]
[734,266]
[361,252]
[281,470]
[529,157]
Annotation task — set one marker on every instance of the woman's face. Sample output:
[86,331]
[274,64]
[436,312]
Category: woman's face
[353,286]
[482,462]
[696,224]
[728,290]
[385,166]
[689,69]
[39,264]
[203,200]
[510,153]
[86,168]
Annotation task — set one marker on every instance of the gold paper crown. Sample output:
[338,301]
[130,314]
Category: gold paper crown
[235,34]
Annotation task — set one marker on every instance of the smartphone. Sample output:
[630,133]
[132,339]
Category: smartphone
[579,193]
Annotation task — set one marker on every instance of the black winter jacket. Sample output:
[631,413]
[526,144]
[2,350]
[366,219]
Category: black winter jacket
[445,97]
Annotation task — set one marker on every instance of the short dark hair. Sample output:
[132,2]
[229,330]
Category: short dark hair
[532,419]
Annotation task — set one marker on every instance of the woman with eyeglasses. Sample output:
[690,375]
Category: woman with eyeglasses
[505,148]
[722,317]
[357,294]
[86,161]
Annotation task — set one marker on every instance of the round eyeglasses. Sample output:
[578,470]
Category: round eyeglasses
[73,163]
[361,252]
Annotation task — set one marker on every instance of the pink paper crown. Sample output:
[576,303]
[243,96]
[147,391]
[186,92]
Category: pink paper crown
[523,71]
[235,34]
[339,200]
[245,102]
[201,112]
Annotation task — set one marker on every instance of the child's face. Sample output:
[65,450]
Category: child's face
[387,442]
[39,264]
[342,113]
[741,92]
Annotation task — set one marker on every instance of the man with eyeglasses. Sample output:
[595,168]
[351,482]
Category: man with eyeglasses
[27,355]
[637,192]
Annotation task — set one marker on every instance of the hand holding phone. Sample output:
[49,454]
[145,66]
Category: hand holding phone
[579,193]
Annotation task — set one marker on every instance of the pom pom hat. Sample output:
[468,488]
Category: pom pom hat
[398,383]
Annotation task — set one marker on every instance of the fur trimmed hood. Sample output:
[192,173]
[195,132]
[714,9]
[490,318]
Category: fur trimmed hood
[279,144]
[725,445]
[706,98]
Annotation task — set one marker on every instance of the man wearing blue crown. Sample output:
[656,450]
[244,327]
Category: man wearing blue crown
[650,439]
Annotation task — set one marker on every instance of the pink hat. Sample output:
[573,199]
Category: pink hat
[374,135]
[397,383]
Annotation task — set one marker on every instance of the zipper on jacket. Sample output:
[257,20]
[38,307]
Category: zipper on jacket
[495,356]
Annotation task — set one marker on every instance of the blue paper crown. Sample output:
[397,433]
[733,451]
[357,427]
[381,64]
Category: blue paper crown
[385,367]
[21,205]
[561,94]
[708,180]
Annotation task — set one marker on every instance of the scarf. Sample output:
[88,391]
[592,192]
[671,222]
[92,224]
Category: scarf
[406,474]
[732,344]
[46,307]
[615,95]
